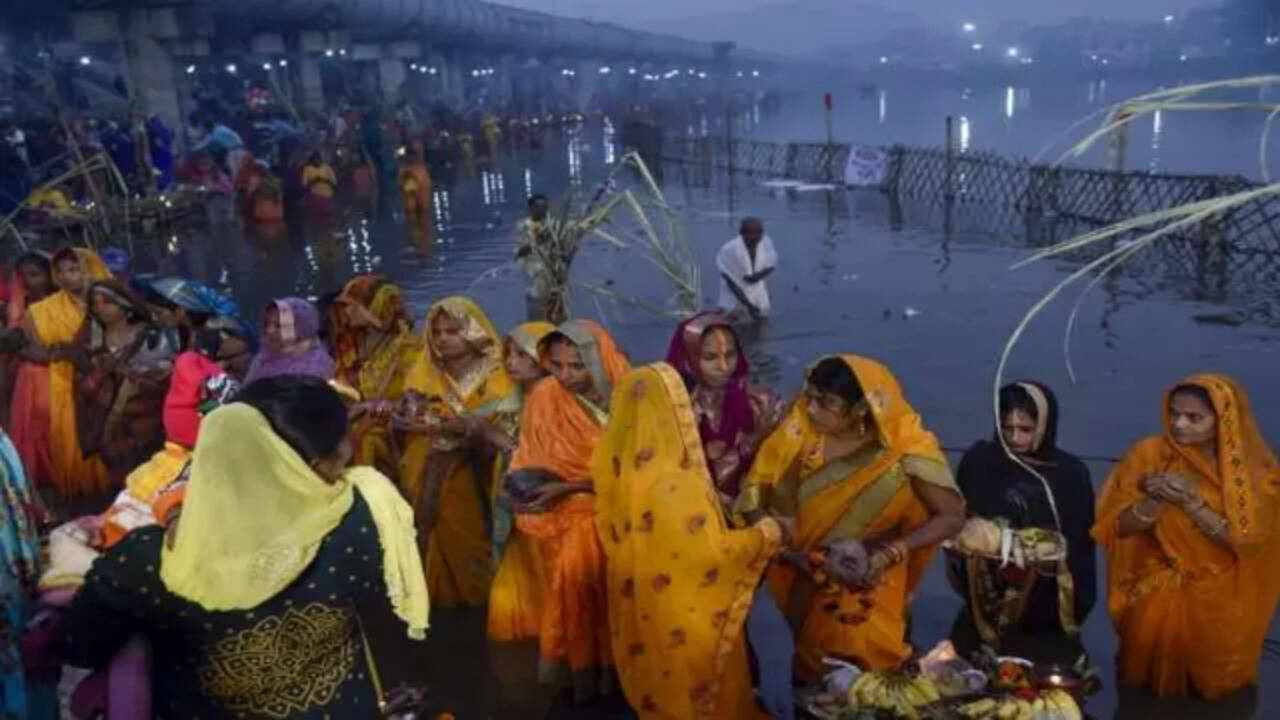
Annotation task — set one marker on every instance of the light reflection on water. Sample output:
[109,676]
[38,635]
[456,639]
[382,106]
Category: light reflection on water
[836,254]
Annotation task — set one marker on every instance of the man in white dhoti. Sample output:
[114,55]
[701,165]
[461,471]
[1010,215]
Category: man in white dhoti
[744,262]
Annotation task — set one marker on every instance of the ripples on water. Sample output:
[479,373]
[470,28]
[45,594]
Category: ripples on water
[936,312]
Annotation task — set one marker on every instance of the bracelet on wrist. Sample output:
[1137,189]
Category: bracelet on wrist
[1135,510]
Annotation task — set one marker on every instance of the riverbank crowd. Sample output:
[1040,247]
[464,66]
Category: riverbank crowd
[198,511]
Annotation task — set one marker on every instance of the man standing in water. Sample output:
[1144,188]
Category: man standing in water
[529,236]
[744,262]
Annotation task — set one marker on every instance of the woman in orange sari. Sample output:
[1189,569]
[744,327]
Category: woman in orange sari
[27,420]
[563,419]
[680,580]
[515,599]
[872,498]
[1188,523]
[443,472]
[374,347]
[55,327]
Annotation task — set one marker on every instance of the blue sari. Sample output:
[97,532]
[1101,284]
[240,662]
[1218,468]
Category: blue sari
[19,560]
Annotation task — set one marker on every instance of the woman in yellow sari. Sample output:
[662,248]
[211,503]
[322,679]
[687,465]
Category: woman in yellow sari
[374,347]
[563,418]
[444,473]
[56,327]
[680,580]
[1188,523]
[515,600]
[872,497]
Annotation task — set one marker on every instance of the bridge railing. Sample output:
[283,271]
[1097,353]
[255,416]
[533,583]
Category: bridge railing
[1235,254]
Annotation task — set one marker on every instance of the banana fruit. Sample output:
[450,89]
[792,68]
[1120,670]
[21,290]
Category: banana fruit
[1051,705]
[901,695]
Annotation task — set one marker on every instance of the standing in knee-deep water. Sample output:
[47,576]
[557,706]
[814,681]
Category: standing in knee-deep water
[443,471]
[374,347]
[744,262]
[519,583]
[1188,521]
[1055,494]
[681,581]
[733,416]
[563,419]
[872,498]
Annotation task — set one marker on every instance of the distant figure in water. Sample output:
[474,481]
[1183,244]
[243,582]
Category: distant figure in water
[744,262]
[320,182]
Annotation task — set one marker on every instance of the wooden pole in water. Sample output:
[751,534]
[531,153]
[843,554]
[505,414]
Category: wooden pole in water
[827,103]
[949,195]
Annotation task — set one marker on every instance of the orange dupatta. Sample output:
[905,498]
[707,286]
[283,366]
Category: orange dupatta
[1190,613]
[458,556]
[866,496]
[558,432]
[680,580]
[515,597]
[57,320]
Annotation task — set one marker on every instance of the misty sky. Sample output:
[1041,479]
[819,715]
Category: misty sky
[936,11]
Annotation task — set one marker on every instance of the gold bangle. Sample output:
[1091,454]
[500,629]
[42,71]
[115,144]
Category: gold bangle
[1144,519]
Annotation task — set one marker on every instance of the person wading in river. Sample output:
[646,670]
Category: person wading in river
[744,262]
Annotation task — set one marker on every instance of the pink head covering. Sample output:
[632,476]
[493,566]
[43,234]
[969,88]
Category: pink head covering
[736,417]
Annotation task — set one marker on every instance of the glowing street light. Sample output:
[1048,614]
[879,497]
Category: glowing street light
[1013,52]
[1168,19]
[605,70]
[191,69]
[755,73]
[266,66]
[328,53]
[342,52]
[970,27]
[231,68]
[631,71]
[977,47]
[85,60]
[884,60]
[284,63]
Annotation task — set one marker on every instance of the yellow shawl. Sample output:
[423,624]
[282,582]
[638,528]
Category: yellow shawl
[487,379]
[680,580]
[255,515]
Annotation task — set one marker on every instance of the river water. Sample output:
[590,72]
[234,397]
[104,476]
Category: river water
[936,310]
[1027,116]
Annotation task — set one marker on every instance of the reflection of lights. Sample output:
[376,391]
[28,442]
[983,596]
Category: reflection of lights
[1273,39]
[1013,52]
[173,245]
[231,68]
[884,105]
[1009,101]
[1026,61]
[966,134]
[610,152]
[85,60]
[191,69]
[1157,132]
[528,182]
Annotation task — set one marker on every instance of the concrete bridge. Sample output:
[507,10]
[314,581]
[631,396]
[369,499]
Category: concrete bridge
[453,51]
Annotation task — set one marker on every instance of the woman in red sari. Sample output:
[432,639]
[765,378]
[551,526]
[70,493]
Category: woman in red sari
[733,415]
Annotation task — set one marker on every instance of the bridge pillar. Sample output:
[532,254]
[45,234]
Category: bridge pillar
[150,67]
